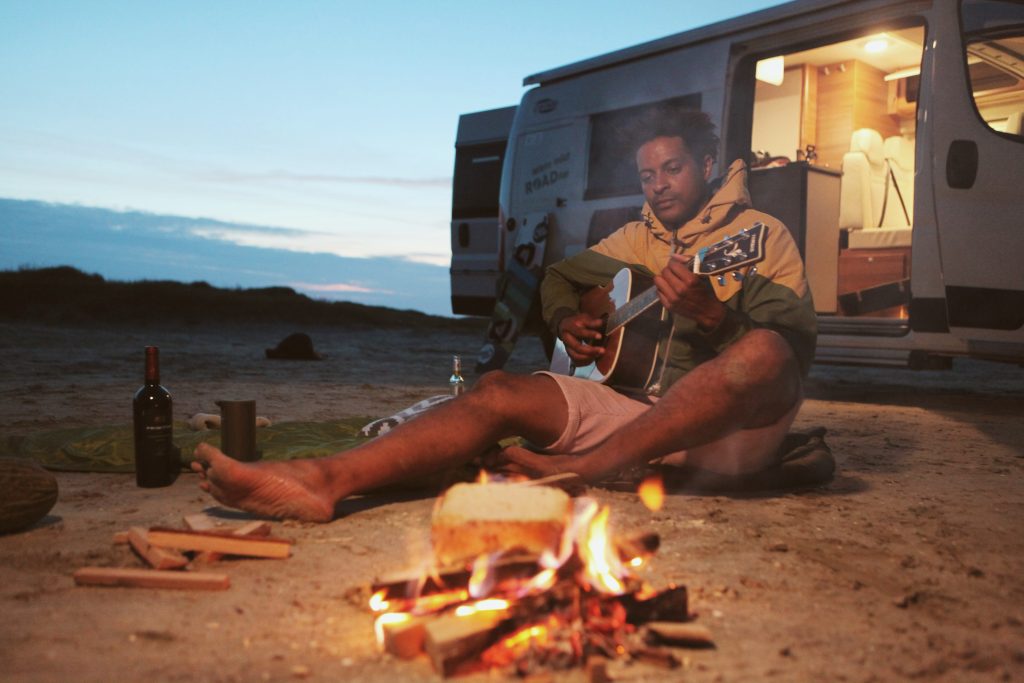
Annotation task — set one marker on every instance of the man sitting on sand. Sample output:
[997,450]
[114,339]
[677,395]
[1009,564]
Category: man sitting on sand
[728,393]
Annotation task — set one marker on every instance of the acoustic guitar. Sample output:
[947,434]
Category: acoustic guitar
[633,333]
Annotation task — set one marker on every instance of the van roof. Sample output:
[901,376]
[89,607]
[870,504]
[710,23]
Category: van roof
[718,29]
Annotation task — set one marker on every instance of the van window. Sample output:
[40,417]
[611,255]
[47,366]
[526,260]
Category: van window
[994,50]
[477,180]
[611,166]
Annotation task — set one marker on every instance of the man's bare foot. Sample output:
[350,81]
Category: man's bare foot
[294,489]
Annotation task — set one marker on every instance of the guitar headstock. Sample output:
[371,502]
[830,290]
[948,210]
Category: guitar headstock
[743,249]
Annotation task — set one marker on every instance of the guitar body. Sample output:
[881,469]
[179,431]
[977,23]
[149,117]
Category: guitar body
[631,351]
[635,330]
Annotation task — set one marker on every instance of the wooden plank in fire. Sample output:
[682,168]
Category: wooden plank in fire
[397,586]
[519,566]
[451,639]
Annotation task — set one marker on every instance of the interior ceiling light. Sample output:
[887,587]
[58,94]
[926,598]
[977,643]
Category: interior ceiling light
[876,44]
[771,70]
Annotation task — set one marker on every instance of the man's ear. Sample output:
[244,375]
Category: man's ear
[709,163]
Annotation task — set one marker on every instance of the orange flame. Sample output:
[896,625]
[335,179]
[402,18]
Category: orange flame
[489,605]
[377,601]
[652,492]
[541,582]
[602,566]
[432,603]
[482,578]
[538,632]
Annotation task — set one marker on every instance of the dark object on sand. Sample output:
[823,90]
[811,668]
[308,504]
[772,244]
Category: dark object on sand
[296,346]
[27,493]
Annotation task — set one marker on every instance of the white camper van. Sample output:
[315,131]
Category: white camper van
[887,135]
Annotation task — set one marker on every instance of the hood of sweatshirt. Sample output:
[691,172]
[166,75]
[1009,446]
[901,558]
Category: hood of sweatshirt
[728,192]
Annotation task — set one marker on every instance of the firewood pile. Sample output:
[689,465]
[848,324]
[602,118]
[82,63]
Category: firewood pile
[175,558]
[532,581]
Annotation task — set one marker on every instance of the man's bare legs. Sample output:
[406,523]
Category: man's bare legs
[499,406]
[752,384]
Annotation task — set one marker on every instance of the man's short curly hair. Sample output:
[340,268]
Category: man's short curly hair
[694,127]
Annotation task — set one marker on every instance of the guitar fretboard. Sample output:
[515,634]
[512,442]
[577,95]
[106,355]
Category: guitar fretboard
[632,309]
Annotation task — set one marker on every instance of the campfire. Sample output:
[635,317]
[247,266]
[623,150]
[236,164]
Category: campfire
[525,578]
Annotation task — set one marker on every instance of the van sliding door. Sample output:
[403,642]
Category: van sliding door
[974,75]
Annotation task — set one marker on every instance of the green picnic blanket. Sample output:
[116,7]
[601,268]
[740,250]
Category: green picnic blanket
[110,449]
[805,458]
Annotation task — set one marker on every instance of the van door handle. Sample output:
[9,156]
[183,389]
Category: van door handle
[962,164]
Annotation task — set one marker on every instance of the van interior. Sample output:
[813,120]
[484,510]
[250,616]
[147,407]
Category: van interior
[833,143]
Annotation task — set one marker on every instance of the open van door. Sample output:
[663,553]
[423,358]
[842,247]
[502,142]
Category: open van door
[973,71]
[475,228]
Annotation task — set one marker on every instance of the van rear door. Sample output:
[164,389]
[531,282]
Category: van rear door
[475,232]
[974,71]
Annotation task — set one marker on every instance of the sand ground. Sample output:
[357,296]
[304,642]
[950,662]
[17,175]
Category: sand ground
[908,566]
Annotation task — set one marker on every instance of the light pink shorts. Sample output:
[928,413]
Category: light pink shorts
[596,411]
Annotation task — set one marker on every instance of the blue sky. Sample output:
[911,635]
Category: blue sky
[334,118]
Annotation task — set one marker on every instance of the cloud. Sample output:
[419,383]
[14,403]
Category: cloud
[336,287]
[289,176]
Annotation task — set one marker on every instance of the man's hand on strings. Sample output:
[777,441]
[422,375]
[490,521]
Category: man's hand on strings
[687,294]
[581,334]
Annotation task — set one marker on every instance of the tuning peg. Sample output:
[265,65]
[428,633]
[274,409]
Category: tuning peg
[721,280]
[737,275]
[753,270]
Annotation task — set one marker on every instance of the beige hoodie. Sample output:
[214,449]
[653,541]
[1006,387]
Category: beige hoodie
[771,294]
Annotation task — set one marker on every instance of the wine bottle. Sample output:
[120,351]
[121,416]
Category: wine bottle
[156,458]
[456,384]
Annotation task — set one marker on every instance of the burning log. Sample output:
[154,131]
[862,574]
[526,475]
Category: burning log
[569,599]
[402,636]
[671,604]
[478,519]
[453,639]
[404,585]
[671,633]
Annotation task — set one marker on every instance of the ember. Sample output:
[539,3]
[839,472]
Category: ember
[574,602]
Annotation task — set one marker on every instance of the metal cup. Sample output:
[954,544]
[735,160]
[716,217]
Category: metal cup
[238,430]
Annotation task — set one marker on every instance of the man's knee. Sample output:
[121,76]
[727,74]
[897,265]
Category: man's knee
[500,389]
[761,357]
[763,368]
[531,404]
[496,383]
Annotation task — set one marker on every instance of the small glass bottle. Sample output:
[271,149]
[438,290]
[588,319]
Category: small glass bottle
[156,458]
[456,383]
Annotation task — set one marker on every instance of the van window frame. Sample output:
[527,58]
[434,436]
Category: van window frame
[616,156]
[964,38]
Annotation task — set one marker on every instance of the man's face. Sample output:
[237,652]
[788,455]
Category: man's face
[672,180]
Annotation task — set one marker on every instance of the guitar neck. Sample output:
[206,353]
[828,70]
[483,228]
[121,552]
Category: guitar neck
[730,254]
[631,309]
